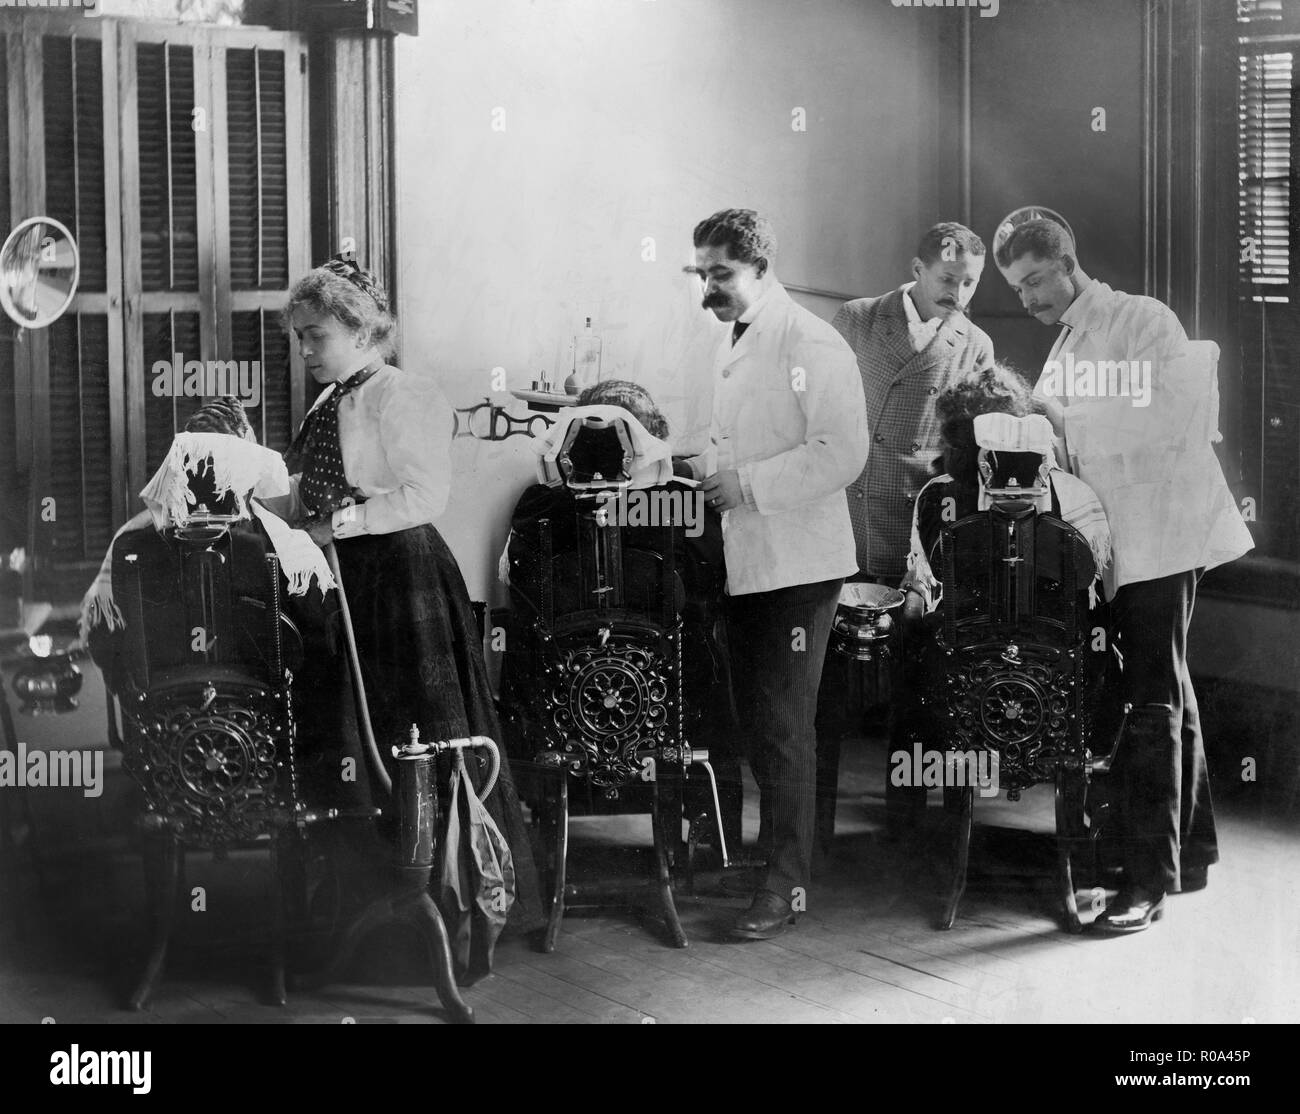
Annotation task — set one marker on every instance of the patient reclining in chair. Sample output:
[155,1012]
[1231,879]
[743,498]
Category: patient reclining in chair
[653,499]
[996,449]
[209,483]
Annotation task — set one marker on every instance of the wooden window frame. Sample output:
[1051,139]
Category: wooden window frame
[124,303]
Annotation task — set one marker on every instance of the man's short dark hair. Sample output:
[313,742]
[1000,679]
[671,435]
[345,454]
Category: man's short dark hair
[747,236]
[1043,238]
[948,234]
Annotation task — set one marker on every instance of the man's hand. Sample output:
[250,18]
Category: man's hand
[320,530]
[722,491]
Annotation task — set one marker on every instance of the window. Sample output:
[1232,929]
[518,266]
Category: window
[1264,169]
[1268,279]
[1259,11]
[177,156]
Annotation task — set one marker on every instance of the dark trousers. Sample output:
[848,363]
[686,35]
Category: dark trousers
[1165,818]
[777,643]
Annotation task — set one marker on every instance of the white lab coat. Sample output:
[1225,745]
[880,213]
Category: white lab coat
[1153,467]
[790,417]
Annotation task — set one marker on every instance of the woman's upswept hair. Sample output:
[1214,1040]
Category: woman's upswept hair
[224,414]
[633,398]
[350,295]
[997,389]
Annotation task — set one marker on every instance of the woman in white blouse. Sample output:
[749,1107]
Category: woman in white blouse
[371,471]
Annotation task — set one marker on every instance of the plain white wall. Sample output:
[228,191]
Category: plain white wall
[626,120]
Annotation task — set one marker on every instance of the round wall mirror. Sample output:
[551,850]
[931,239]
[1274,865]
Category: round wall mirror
[1017,217]
[39,268]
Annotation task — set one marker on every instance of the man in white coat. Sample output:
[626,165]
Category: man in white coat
[788,435]
[1135,416]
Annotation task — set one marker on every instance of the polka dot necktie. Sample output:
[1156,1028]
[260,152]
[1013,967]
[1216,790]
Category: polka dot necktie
[317,454]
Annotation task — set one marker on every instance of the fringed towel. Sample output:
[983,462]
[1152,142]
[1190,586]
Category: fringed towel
[236,465]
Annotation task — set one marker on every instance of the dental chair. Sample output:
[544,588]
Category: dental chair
[1011,665]
[593,677]
[200,678]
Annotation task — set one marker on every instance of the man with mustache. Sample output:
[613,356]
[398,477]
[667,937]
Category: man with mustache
[788,433]
[912,344]
[1171,517]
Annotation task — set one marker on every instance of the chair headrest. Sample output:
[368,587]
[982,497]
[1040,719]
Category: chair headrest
[209,505]
[604,440]
[596,455]
[1015,455]
[212,476]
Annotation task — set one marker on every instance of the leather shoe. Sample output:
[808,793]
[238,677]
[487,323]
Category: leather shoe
[767,916]
[1133,910]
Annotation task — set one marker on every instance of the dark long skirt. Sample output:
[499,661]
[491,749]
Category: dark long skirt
[422,662]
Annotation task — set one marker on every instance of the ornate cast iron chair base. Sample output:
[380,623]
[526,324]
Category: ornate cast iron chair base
[164,864]
[1071,833]
[1074,834]
[215,758]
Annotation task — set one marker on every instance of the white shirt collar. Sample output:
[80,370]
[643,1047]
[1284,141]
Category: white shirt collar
[922,332]
[909,307]
[754,310]
[1086,305]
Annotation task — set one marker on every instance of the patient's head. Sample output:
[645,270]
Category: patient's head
[991,390]
[221,415]
[634,399]
[218,415]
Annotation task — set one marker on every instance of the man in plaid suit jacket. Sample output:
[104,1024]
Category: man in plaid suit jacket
[911,344]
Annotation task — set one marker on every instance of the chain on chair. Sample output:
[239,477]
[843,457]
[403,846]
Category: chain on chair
[596,704]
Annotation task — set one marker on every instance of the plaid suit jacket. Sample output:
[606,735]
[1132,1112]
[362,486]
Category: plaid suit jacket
[900,386]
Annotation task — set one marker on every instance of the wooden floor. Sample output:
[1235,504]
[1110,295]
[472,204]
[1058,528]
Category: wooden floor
[866,950]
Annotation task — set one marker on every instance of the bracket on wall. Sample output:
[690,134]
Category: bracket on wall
[485,421]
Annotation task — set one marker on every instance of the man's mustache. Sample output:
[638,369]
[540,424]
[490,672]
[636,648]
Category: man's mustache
[714,301]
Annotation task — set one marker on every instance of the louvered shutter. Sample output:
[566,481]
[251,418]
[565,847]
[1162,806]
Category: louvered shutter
[266,215]
[177,155]
[81,451]
[1260,11]
[12,526]
[166,172]
[216,161]
[1268,287]
[168,176]
[1266,222]
[81,459]
[255,123]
